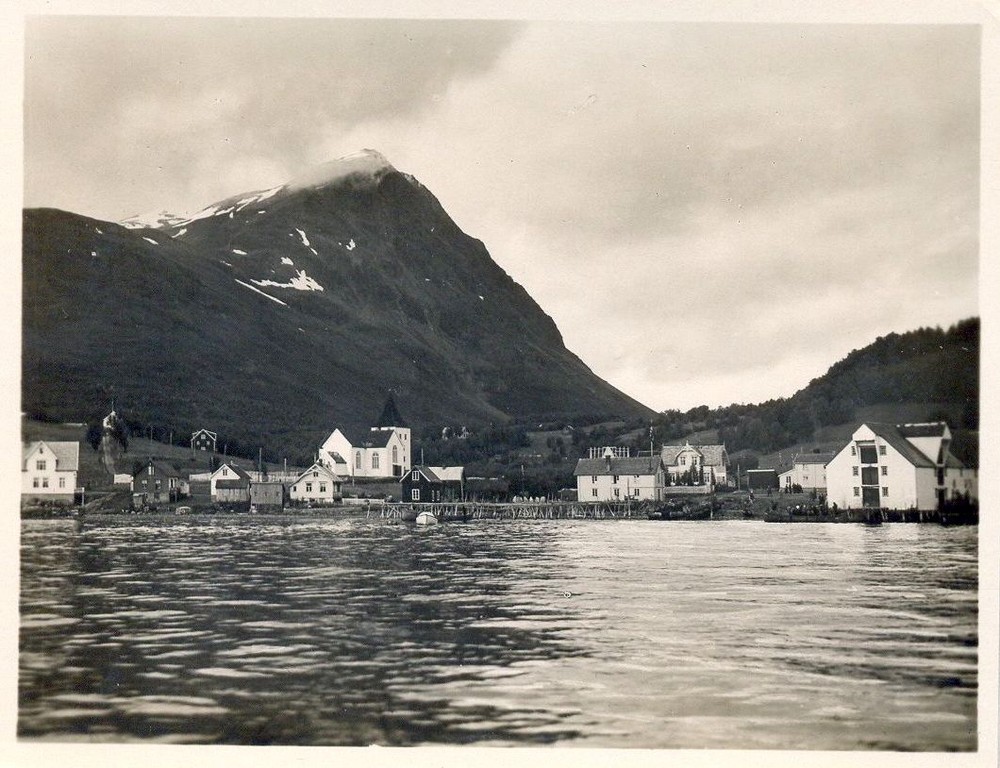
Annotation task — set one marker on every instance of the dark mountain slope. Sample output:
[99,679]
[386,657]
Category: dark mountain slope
[271,317]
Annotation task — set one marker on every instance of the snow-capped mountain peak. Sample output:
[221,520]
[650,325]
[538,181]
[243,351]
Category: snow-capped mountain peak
[366,163]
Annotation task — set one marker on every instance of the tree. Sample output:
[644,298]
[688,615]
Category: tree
[94,434]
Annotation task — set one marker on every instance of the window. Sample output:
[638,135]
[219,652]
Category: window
[145,483]
[868,454]
[40,465]
[34,483]
[615,479]
[322,487]
[854,451]
[415,475]
[593,478]
[869,475]
[357,460]
[415,494]
[150,469]
[158,484]
[395,454]
[635,493]
[881,450]
[684,460]
[857,491]
[45,482]
[854,471]
[593,492]
[315,474]
[309,487]
[885,491]
[617,492]
[885,470]
[374,461]
[225,471]
[62,482]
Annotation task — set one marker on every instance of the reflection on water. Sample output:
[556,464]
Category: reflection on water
[594,633]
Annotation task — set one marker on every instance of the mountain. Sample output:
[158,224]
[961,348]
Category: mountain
[273,316]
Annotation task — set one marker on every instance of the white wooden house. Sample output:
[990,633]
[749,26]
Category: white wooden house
[49,471]
[230,484]
[808,471]
[317,484]
[617,478]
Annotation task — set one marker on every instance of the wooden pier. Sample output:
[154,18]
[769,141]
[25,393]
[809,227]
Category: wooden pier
[545,510]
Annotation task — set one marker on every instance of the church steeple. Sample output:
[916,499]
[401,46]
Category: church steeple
[390,415]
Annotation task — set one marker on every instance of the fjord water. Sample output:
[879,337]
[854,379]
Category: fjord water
[327,631]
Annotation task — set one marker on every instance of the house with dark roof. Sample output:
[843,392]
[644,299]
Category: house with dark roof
[203,440]
[432,484]
[807,470]
[49,471]
[230,484]
[618,478]
[708,462]
[318,484]
[384,452]
[892,466]
[158,483]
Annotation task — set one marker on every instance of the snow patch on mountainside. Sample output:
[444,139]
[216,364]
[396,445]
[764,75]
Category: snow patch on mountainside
[305,240]
[265,295]
[151,220]
[301,282]
[239,252]
[150,240]
[288,261]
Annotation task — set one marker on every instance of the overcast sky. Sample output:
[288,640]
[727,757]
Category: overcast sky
[711,212]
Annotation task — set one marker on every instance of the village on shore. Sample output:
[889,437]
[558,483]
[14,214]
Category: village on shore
[903,472]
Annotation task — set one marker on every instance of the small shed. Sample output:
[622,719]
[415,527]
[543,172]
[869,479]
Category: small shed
[267,496]
[762,479]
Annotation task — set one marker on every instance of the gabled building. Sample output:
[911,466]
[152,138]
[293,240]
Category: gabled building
[317,484]
[230,484]
[432,484]
[709,463]
[49,471]
[807,470]
[158,483]
[618,478]
[891,466]
[384,452]
[203,440]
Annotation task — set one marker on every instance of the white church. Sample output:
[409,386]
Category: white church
[384,453]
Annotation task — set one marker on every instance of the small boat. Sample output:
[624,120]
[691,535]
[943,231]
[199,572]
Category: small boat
[426,518]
